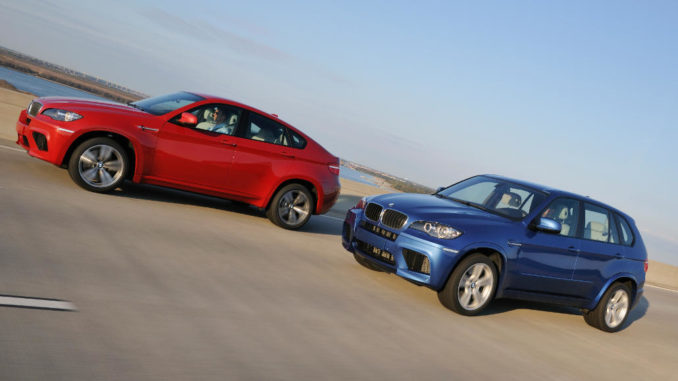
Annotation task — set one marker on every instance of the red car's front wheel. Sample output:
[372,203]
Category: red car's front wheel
[98,165]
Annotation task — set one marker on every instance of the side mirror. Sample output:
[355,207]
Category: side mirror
[548,225]
[188,119]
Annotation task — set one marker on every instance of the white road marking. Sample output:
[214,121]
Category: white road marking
[49,304]
[12,148]
[661,288]
[334,218]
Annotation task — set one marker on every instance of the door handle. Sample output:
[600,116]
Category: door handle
[573,249]
[144,128]
[226,142]
[287,154]
[618,256]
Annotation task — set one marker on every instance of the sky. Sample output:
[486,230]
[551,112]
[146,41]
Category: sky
[577,95]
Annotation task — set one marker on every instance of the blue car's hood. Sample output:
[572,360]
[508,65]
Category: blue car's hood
[428,207]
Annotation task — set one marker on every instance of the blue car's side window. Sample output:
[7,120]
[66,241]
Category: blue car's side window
[565,211]
[626,233]
[597,223]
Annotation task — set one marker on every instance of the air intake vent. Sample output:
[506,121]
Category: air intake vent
[372,211]
[34,108]
[40,141]
[346,232]
[372,228]
[417,262]
[393,219]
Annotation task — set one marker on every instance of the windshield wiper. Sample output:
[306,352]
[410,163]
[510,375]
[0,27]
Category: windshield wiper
[469,203]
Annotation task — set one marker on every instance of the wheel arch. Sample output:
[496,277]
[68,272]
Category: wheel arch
[308,184]
[625,278]
[133,151]
[494,253]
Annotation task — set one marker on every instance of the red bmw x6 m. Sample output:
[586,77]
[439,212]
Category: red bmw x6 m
[188,141]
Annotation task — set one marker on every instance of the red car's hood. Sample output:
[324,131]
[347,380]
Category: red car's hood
[82,104]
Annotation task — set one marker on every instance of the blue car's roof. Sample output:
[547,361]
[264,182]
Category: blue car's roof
[551,190]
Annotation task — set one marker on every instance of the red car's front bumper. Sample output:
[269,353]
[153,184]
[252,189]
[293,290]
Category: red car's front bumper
[42,139]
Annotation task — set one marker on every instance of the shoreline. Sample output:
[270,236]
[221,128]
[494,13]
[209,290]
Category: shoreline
[63,76]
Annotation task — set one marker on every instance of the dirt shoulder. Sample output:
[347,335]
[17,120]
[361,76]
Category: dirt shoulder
[11,104]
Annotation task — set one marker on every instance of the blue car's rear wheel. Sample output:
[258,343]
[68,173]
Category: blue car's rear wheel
[471,285]
[612,310]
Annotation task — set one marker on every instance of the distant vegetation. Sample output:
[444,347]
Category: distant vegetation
[65,76]
[394,182]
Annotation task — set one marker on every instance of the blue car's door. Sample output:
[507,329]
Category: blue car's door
[601,252]
[545,262]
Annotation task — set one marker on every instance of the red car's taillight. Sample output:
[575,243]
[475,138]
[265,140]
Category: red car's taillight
[334,168]
[646,266]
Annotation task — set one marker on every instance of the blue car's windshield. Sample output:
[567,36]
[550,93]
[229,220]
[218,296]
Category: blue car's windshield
[166,103]
[495,196]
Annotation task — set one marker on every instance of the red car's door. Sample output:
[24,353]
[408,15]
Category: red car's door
[261,157]
[195,157]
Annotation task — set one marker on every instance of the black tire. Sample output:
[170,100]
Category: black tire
[479,296]
[108,170]
[366,263]
[284,209]
[618,312]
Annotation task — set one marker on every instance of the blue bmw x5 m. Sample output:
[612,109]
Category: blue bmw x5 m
[492,237]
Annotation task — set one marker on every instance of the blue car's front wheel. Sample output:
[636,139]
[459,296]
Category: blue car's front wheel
[471,285]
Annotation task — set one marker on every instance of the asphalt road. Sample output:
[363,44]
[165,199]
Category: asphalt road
[173,286]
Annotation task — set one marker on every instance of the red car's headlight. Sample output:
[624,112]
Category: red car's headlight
[61,115]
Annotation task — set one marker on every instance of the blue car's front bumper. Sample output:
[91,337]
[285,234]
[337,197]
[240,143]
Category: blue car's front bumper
[415,259]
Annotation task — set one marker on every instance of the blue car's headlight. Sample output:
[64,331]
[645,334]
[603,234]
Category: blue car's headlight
[436,230]
[61,115]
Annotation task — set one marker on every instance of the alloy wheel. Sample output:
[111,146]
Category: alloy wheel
[100,165]
[617,308]
[475,286]
[294,206]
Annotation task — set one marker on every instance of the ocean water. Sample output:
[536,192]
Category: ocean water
[41,87]
[358,176]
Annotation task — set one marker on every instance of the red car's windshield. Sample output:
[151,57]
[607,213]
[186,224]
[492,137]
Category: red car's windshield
[166,103]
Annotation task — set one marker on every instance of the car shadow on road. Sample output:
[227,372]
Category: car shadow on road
[504,305]
[317,224]
[322,224]
[175,196]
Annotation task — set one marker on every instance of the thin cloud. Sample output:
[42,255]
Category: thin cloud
[201,29]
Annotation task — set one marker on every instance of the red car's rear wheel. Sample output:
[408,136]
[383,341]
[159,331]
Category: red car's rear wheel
[291,207]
